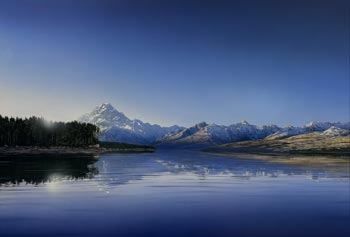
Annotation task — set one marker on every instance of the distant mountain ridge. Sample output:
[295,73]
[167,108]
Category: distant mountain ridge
[116,126]
[213,135]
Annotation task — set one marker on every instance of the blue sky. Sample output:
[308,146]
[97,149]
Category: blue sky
[176,62]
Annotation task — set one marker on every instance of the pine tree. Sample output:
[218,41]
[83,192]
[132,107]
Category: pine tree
[35,131]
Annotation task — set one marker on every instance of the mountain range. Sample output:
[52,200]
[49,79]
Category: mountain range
[116,126]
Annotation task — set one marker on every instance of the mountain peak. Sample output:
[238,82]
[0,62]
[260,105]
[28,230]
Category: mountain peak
[115,126]
[108,110]
[201,124]
[244,122]
[318,125]
[335,131]
[106,116]
[105,106]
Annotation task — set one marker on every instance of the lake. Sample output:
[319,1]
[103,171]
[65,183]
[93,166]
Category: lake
[169,193]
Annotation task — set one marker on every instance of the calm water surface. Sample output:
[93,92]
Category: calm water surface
[169,194]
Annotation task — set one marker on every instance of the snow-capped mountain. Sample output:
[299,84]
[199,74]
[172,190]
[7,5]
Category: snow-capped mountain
[308,128]
[115,126]
[205,135]
[287,132]
[335,132]
[318,126]
[184,133]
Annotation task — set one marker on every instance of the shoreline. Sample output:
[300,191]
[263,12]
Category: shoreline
[34,150]
[338,163]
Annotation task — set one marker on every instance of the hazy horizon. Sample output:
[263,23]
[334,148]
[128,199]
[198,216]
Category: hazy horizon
[200,121]
[177,62]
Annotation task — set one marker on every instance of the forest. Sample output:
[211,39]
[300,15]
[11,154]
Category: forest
[36,131]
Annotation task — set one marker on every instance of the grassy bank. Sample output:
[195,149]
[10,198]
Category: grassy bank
[306,144]
[325,162]
[312,150]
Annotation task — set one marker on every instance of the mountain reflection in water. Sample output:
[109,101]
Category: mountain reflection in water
[118,169]
[169,193]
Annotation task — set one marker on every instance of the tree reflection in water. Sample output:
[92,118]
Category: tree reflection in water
[39,169]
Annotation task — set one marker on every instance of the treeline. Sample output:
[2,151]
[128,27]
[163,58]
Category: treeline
[36,131]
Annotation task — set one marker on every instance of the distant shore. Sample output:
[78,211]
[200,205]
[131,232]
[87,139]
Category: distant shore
[35,150]
[329,162]
[311,149]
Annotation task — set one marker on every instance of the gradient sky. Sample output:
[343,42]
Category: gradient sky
[177,62]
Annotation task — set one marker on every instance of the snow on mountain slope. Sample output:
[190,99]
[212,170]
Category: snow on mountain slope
[204,135]
[106,116]
[308,128]
[115,126]
[245,131]
[317,126]
[335,132]
[212,134]
[286,132]
[184,133]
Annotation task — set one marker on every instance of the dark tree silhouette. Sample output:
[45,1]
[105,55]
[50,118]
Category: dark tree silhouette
[36,131]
